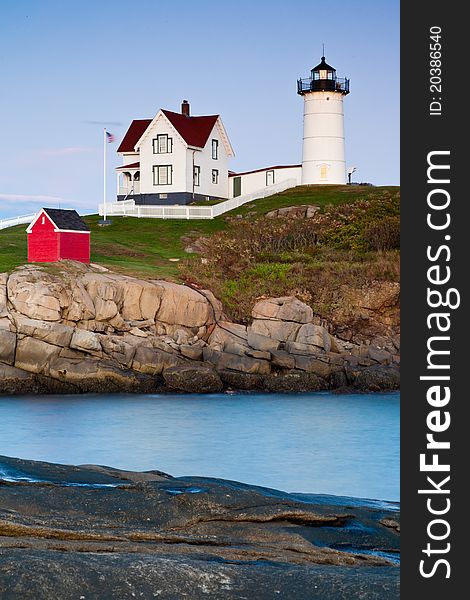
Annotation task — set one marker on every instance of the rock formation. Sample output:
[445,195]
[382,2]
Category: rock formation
[79,329]
[71,532]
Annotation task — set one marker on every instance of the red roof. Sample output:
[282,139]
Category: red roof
[135,165]
[194,130]
[233,174]
[133,135]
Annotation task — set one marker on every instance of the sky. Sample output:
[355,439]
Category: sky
[68,69]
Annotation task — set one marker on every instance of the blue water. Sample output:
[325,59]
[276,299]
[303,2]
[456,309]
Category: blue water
[311,443]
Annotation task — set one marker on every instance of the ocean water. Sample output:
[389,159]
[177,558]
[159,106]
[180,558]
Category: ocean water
[317,443]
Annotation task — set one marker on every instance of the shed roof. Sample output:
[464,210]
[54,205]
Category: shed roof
[69,220]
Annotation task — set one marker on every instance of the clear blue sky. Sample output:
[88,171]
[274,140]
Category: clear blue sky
[70,68]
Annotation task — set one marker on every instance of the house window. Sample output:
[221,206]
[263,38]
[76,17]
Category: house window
[215,176]
[270,177]
[215,149]
[43,221]
[162,144]
[197,176]
[162,175]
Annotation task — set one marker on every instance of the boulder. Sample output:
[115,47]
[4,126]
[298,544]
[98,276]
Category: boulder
[7,347]
[282,359]
[225,332]
[98,376]
[258,341]
[313,365]
[34,297]
[235,348]
[47,331]
[183,306]
[81,306]
[375,378]
[315,335]
[294,381]
[287,308]
[5,323]
[258,354]
[305,349]
[3,295]
[276,330]
[302,211]
[34,355]
[138,332]
[87,341]
[151,361]
[193,378]
[16,381]
[245,364]
[8,372]
[105,310]
[379,355]
[191,352]
[181,336]
[242,381]
[118,348]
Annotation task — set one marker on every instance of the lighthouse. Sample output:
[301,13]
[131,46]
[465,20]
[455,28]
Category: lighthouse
[323,159]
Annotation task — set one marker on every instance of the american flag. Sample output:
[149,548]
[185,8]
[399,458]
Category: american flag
[109,137]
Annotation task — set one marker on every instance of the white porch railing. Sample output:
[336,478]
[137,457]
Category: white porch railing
[128,208]
[12,221]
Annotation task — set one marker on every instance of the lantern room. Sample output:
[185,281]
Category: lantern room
[323,79]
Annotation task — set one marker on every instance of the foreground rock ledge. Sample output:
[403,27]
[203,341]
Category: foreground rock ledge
[146,535]
[74,328]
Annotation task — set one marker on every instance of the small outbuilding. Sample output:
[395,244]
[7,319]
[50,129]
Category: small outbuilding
[57,234]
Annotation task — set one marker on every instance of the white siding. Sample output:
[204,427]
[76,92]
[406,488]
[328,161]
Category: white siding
[252,182]
[205,161]
[128,158]
[176,158]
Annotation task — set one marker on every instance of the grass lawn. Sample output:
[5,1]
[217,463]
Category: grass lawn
[144,247]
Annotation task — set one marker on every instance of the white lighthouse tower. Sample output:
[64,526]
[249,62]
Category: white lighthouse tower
[323,147]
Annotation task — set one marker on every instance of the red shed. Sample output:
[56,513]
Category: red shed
[57,234]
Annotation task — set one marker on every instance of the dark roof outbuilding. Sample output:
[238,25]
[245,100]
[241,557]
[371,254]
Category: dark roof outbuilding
[68,220]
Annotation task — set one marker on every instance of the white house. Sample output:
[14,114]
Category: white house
[174,158]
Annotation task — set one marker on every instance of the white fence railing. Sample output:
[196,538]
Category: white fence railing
[128,208]
[12,221]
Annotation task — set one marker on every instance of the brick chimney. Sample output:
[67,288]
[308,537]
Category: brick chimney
[185,108]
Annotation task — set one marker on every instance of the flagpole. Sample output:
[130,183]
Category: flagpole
[104,174]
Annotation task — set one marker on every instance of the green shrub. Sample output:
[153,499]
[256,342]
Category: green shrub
[383,234]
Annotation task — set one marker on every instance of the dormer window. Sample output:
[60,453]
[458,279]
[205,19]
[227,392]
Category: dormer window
[162,144]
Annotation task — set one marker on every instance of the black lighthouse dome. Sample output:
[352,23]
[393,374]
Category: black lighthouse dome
[323,79]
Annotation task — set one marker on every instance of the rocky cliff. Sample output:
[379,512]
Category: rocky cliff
[74,328]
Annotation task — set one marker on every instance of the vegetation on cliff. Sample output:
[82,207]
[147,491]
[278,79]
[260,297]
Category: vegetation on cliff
[320,260]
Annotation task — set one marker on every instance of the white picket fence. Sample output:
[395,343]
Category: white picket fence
[128,208]
[12,221]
